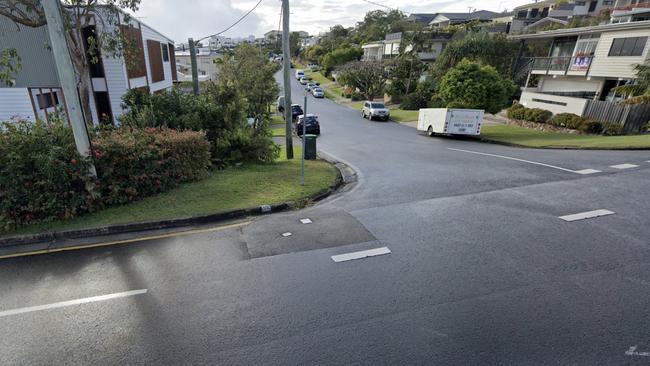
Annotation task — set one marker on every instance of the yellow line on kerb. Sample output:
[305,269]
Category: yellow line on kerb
[126,241]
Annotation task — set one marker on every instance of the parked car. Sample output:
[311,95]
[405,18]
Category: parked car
[304,80]
[296,111]
[280,104]
[312,127]
[310,86]
[373,110]
[318,92]
[299,74]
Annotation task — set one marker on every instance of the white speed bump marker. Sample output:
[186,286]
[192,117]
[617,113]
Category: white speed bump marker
[360,255]
[587,171]
[286,235]
[306,221]
[586,215]
[624,166]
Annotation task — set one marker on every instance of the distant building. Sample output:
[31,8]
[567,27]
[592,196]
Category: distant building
[390,47]
[444,20]
[205,60]
[423,19]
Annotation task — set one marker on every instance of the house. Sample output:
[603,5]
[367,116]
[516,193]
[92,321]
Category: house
[541,14]
[390,47]
[630,11]
[584,65]
[309,41]
[205,62]
[36,91]
[444,20]
[423,19]
[272,35]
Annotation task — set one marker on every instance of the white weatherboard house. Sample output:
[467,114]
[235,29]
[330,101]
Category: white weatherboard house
[584,65]
[36,90]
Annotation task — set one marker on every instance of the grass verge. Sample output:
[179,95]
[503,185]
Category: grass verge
[401,115]
[279,132]
[235,188]
[515,135]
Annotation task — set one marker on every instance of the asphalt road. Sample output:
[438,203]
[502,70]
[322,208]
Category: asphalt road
[482,271]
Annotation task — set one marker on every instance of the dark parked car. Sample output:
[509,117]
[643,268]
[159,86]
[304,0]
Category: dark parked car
[296,111]
[312,126]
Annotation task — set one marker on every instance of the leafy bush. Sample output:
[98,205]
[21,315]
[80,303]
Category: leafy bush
[537,115]
[42,177]
[136,163]
[568,120]
[589,126]
[517,111]
[415,101]
[613,129]
[470,85]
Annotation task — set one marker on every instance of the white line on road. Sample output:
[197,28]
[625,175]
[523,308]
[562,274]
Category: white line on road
[633,352]
[624,166]
[516,159]
[62,304]
[587,171]
[360,255]
[586,215]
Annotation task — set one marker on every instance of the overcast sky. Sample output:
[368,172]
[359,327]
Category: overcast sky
[181,19]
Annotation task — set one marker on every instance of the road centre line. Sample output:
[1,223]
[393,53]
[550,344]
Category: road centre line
[62,304]
[587,171]
[586,215]
[361,255]
[624,166]
[521,160]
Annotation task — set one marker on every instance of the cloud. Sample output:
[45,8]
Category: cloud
[198,18]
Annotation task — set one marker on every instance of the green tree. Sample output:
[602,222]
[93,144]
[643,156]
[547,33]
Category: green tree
[10,63]
[369,77]
[470,85]
[494,50]
[79,15]
[405,71]
[341,56]
[377,23]
[294,44]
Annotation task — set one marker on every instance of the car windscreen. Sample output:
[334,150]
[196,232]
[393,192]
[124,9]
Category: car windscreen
[310,120]
[378,105]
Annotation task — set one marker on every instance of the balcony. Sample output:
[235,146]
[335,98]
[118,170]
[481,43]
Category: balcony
[575,65]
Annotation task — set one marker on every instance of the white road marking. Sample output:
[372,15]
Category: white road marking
[516,159]
[62,304]
[632,352]
[286,235]
[587,171]
[306,221]
[586,215]
[624,166]
[360,255]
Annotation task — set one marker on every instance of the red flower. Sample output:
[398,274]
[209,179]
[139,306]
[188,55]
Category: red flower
[73,161]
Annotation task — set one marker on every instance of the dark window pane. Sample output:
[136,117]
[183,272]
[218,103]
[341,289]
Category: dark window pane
[628,47]
[165,52]
[639,46]
[47,100]
[617,45]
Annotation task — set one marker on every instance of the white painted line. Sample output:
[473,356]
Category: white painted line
[587,171]
[633,352]
[286,235]
[515,159]
[62,304]
[360,255]
[586,215]
[624,166]
[306,221]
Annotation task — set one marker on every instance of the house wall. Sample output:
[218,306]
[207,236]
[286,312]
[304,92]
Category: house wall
[15,102]
[617,66]
[569,84]
[554,103]
[150,34]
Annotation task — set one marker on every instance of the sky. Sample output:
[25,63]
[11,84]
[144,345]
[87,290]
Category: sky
[181,19]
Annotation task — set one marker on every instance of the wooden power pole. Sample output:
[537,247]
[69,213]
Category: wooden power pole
[286,60]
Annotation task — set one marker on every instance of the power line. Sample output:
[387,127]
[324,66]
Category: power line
[383,6]
[234,24]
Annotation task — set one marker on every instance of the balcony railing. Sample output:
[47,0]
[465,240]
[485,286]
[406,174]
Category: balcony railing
[632,7]
[562,64]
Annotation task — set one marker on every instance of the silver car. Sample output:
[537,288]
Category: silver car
[372,110]
[318,92]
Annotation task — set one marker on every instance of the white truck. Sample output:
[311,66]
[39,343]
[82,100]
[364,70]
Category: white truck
[449,121]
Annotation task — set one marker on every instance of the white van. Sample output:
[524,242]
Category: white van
[299,74]
[449,121]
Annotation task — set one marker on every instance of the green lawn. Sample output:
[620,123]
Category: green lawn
[277,120]
[235,188]
[332,90]
[527,137]
[401,115]
[279,132]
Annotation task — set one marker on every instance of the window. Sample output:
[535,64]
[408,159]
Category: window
[47,100]
[592,6]
[608,2]
[165,52]
[632,46]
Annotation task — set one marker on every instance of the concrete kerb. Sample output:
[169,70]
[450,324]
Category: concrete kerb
[51,237]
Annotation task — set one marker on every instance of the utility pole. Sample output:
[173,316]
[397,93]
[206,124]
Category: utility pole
[286,60]
[195,70]
[304,132]
[67,76]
